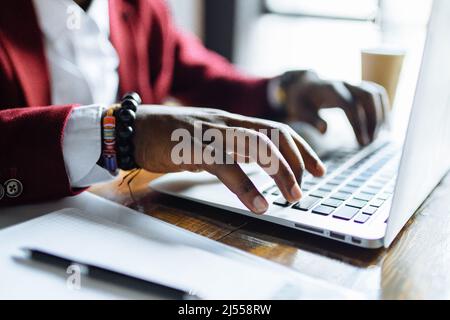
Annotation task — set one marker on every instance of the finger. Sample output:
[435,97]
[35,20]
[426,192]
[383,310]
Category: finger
[320,124]
[311,115]
[383,99]
[242,143]
[339,95]
[234,178]
[282,139]
[380,114]
[384,102]
[291,145]
[291,153]
[367,102]
[357,118]
[386,107]
[312,161]
[368,97]
[383,105]
[262,150]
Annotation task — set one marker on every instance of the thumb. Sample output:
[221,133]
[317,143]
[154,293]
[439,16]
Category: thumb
[320,124]
[313,118]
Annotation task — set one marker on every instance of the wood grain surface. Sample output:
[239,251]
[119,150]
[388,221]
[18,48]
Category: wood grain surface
[417,265]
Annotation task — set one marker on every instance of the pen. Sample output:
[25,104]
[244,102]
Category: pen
[110,276]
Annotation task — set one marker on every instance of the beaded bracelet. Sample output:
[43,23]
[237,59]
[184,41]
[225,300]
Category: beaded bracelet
[118,133]
[125,117]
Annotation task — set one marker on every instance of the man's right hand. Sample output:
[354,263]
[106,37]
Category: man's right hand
[154,145]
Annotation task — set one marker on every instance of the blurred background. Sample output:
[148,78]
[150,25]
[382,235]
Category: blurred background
[268,37]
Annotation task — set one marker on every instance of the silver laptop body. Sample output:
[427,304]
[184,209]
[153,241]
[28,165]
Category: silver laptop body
[369,194]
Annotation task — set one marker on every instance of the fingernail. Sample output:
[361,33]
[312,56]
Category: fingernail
[296,193]
[366,139]
[322,127]
[260,205]
[320,167]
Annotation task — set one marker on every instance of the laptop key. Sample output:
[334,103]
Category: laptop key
[387,175]
[370,210]
[323,210]
[276,192]
[282,202]
[370,191]
[306,203]
[381,180]
[376,186]
[364,196]
[377,203]
[356,203]
[320,193]
[332,202]
[341,196]
[270,189]
[327,188]
[347,189]
[366,175]
[340,178]
[360,180]
[306,188]
[335,182]
[316,180]
[345,213]
[362,218]
[385,196]
[355,184]
[309,183]
[347,173]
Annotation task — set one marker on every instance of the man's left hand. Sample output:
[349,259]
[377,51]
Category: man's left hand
[366,106]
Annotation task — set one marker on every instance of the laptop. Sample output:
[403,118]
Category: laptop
[368,194]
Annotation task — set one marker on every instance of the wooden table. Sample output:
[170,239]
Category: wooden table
[417,265]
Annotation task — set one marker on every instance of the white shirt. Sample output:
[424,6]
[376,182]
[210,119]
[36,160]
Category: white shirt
[83,69]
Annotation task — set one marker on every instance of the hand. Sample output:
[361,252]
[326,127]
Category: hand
[154,148]
[366,106]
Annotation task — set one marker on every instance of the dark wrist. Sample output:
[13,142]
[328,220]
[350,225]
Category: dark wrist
[288,87]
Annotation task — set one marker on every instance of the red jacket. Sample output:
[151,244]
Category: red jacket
[156,60]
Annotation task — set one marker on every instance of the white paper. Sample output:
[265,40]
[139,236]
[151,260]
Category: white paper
[76,235]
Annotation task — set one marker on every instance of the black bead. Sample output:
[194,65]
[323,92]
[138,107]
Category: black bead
[120,142]
[130,104]
[126,116]
[133,96]
[125,148]
[125,132]
[126,162]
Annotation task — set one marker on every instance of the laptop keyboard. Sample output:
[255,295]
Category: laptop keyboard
[357,184]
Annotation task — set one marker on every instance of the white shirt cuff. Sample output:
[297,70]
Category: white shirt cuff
[82,147]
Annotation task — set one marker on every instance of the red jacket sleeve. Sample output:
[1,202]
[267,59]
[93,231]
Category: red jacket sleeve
[31,157]
[203,78]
